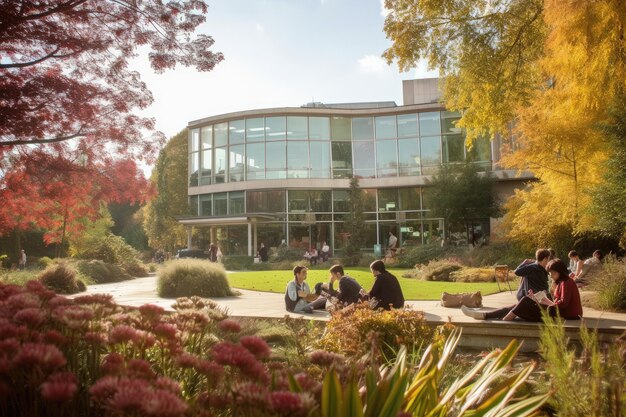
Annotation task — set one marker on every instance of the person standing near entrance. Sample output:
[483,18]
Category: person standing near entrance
[393,245]
[22,261]
[325,252]
[263,253]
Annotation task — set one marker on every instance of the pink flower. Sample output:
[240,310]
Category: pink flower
[186,360]
[58,301]
[38,288]
[151,312]
[112,363]
[23,300]
[8,330]
[251,395]
[73,316]
[163,403]
[60,387]
[140,369]
[167,384]
[30,316]
[122,334]
[7,291]
[209,368]
[95,338]
[104,388]
[103,299]
[129,396]
[226,353]
[324,358]
[54,337]
[285,403]
[229,326]
[165,331]
[47,357]
[255,345]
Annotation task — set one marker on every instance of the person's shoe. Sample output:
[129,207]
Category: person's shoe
[477,315]
[307,310]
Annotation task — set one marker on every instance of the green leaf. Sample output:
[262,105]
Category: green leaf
[331,395]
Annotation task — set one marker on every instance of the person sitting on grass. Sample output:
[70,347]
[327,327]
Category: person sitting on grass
[566,300]
[386,292]
[298,291]
[349,291]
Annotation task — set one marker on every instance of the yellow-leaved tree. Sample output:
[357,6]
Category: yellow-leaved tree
[548,68]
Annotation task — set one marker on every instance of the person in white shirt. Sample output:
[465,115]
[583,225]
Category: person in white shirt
[393,244]
[325,252]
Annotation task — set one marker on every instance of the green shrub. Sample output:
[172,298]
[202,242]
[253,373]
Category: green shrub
[416,255]
[473,275]
[436,270]
[152,267]
[44,262]
[285,253]
[498,253]
[136,269]
[62,279]
[189,277]
[610,284]
[101,272]
[238,262]
[113,249]
[352,330]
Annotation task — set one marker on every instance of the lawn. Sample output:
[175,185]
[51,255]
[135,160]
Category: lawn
[276,281]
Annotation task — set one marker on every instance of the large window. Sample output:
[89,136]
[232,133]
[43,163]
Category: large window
[237,132]
[429,123]
[255,129]
[449,120]
[386,158]
[276,160]
[386,127]
[275,128]
[193,205]
[266,201]
[340,129]
[388,199]
[236,204]
[206,205]
[220,134]
[220,204]
[410,199]
[454,150]
[297,128]
[340,201]
[363,163]
[236,166]
[194,157]
[342,159]
[319,128]
[255,157]
[430,151]
[298,159]
[480,151]
[409,157]
[220,165]
[362,128]
[320,159]
[407,125]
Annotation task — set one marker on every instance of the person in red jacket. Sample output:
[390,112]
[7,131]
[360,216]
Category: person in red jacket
[566,299]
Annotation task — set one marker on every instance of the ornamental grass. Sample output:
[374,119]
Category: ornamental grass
[88,356]
[193,277]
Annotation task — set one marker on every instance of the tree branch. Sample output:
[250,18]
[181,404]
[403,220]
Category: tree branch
[78,134]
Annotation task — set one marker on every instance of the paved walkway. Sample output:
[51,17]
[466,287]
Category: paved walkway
[271,305]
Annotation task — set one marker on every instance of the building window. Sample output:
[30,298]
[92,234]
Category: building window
[409,199]
[320,159]
[430,124]
[220,165]
[319,128]
[220,134]
[363,162]
[236,202]
[407,125]
[236,165]
[387,199]
[220,204]
[340,129]
[297,159]
[386,158]
[206,205]
[194,157]
[386,127]
[341,204]
[430,153]
[297,128]
[193,205]
[206,135]
[275,128]
[236,132]
[454,148]
[255,161]
[408,157]
[255,129]
[276,160]
[362,128]
[449,120]
[342,159]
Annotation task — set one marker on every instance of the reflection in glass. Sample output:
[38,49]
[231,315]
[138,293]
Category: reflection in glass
[193,205]
[266,201]
[275,128]
[342,159]
[320,159]
[369,199]
[388,199]
[429,123]
[448,123]
[320,200]
[409,157]
[255,161]
[480,151]
[298,159]
[207,137]
[319,128]
[298,201]
[236,166]
[362,128]
[386,158]
[206,205]
[237,131]
[386,127]
[194,165]
[410,198]
[255,129]
[194,140]
[340,128]
[340,201]
[363,159]
[220,165]
[276,154]
[297,128]
[207,162]
[236,202]
[407,125]
[220,204]
[454,148]
[430,151]
[220,134]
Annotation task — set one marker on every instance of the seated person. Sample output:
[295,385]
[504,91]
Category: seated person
[581,276]
[325,252]
[307,255]
[386,291]
[575,263]
[349,291]
[566,300]
[313,254]
[297,292]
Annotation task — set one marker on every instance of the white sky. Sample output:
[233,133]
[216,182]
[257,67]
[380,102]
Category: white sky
[281,53]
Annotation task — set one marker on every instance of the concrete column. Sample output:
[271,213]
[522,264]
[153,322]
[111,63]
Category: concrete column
[255,237]
[249,239]
[189,234]
[212,235]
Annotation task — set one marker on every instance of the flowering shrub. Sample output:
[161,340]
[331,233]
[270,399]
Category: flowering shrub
[356,330]
[189,277]
[62,279]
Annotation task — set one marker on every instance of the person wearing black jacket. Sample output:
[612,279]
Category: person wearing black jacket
[534,274]
[349,289]
[386,290]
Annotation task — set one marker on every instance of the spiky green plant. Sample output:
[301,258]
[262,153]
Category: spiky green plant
[488,390]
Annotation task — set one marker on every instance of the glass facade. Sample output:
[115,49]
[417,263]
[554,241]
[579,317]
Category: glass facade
[310,147]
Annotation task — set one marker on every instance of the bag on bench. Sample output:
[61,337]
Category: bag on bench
[467,299]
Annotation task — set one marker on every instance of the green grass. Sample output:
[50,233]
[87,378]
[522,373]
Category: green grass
[276,281]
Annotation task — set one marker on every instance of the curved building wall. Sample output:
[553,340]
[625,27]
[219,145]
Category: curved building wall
[283,174]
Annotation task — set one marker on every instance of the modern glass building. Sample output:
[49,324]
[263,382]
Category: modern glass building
[274,175]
